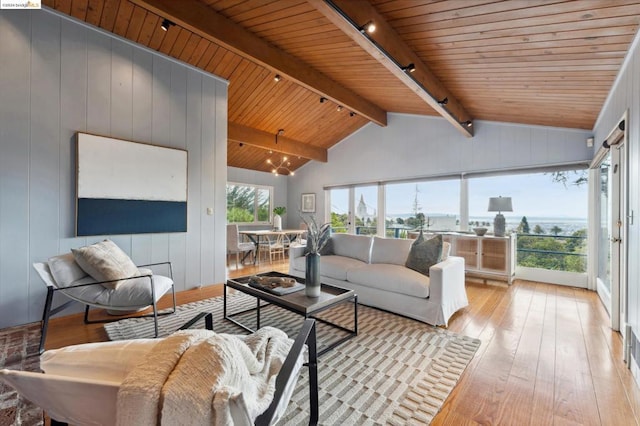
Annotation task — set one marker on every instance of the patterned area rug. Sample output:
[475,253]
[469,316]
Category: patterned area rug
[19,351]
[396,371]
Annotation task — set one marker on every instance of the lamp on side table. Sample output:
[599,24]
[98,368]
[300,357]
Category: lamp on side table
[499,204]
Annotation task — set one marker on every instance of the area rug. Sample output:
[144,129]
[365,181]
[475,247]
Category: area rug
[396,371]
[19,351]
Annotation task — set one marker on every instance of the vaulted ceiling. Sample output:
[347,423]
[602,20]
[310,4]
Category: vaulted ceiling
[538,62]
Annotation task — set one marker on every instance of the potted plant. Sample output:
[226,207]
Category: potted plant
[317,238]
[277,217]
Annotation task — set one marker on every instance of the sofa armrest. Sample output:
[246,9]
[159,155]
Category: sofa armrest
[295,252]
[447,280]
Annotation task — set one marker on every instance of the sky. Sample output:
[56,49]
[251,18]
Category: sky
[533,195]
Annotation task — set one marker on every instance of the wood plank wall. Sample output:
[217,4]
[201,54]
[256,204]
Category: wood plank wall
[62,77]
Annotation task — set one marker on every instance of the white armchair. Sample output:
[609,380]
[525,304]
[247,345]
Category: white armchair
[115,284]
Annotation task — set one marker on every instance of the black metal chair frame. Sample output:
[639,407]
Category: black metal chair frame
[48,312]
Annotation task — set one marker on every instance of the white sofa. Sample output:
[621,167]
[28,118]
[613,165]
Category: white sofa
[374,268]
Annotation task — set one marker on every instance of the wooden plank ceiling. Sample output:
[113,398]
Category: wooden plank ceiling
[523,61]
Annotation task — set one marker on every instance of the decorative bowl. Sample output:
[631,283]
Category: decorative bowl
[480,231]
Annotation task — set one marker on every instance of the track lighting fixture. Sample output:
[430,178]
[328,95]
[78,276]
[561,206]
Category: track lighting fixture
[323,99]
[166,24]
[283,166]
[240,144]
[352,114]
[409,68]
[339,108]
[280,133]
[277,78]
[369,27]
[467,123]
[443,102]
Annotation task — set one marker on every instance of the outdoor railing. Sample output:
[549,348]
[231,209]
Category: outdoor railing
[553,252]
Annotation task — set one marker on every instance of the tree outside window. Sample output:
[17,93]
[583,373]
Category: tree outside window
[249,203]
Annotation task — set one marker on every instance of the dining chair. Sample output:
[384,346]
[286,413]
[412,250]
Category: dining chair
[274,245]
[234,245]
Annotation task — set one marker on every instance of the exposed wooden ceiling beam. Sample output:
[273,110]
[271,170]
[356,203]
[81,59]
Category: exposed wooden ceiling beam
[258,138]
[207,23]
[350,15]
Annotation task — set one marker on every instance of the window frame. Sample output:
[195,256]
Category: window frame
[255,203]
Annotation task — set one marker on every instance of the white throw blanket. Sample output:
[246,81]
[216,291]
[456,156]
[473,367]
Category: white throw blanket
[198,377]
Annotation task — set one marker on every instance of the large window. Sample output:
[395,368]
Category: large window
[249,203]
[549,215]
[436,204]
[339,199]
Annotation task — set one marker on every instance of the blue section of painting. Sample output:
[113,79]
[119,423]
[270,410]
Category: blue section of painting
[98,216]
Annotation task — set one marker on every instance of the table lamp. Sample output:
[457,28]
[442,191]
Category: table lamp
[499,204]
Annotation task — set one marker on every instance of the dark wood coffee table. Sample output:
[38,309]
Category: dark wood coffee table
[297,302]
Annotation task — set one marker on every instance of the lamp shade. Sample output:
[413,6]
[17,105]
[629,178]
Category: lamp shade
[500,204]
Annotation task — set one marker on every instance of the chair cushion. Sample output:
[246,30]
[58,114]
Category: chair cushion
[354,246]
[65,270]
[392,278]
[390,250]
[132,295]
[424,254]
[105,261]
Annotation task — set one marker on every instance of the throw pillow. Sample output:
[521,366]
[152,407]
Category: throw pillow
[424,254]
[65,270]
[105,261]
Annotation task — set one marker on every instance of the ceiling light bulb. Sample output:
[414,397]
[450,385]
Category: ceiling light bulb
[409,68]
[369,27]
[291,174]
[166,24]
[268,160]
[284,158]
[277,77]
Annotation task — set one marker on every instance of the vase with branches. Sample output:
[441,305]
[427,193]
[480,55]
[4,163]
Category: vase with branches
[317,238]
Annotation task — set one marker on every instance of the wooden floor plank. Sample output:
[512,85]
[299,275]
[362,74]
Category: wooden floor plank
[548,356]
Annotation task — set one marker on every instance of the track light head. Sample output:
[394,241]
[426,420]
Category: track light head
[444,101]
[280,132]
[467,123]
[369,27]
[409,68]
[166,24]
[339,108]
[323,99]
[277,78]
[352,114]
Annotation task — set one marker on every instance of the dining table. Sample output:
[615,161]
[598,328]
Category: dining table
[256,235]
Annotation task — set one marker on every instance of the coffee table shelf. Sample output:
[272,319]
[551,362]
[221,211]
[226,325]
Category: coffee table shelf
[297,302]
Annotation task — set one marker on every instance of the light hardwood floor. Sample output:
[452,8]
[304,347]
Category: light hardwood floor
[547,356]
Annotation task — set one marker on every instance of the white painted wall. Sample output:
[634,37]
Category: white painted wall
[418,146]
[625,95]
[59,77]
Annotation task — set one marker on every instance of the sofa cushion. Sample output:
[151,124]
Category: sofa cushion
[424,254]
[337,267]
[105,261]
[390,250]
[354,246]
[65,270]
[393,278]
